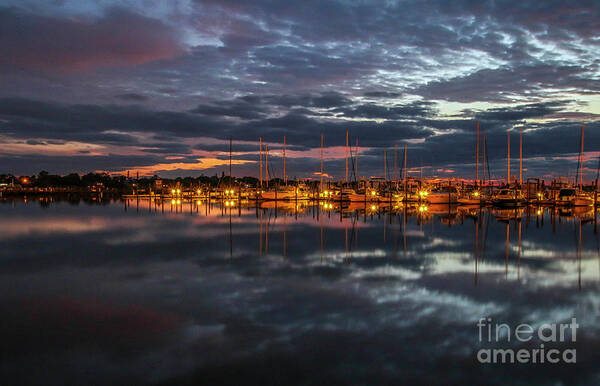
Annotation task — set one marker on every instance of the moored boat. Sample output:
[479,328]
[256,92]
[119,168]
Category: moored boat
[508,197]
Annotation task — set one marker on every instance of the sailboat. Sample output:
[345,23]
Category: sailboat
[508,196]
[473,197]
[576,196]
[443,195]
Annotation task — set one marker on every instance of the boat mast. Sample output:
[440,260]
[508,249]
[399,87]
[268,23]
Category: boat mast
[581,156]
[508,158]
[477,158]
[267,163]
[396,161]
[356,162]
[385,165]
[230,147]
[260,160]
[405,166]
[284,175]
[484,156]
[346,150]
[521,157]
[321,184]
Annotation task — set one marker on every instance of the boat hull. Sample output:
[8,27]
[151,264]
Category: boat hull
[469,201]
[442,198]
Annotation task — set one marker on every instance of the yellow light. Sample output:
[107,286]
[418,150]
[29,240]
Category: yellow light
[476,194]
[422,208]
[422,193]
[172,191]
[373,207]
[373,193]
[539,194]
[178,191]
[539,212]
[199,203]
[178,202]
[199,191]
[172,202]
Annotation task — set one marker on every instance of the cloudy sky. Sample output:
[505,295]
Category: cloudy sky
[160,87]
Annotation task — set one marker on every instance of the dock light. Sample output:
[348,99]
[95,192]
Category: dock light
[476,194]
[539,195]
[172,202]
[423,193]
[178,191]
[178,202]
[422,208]
[373,193]
[539,212]
[373,207]
[199,191]
[172,191]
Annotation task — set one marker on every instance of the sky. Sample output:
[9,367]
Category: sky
[159,87]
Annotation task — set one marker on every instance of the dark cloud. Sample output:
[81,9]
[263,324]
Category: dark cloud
[520,112]
[374,111]
[132,97]
[31,164]
[381,94]
[505,84]
[240,108]
[267,68]
[439,142]
[119,37]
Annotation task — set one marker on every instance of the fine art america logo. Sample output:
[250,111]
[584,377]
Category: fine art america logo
[493,333]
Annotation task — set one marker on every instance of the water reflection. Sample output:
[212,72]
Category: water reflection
[324,292]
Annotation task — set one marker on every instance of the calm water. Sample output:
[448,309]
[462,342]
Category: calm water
[147,293]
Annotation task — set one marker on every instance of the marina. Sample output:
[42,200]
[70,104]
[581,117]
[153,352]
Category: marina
[305,193]
[265,279]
